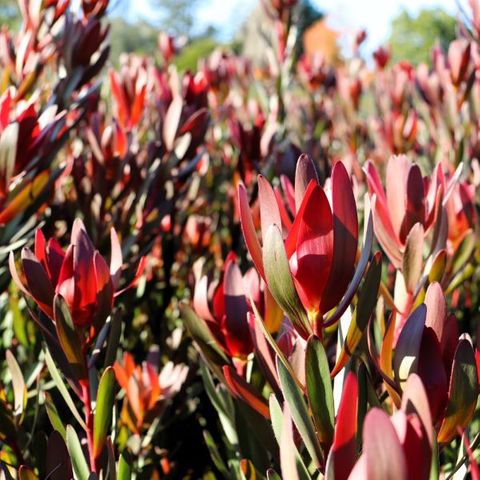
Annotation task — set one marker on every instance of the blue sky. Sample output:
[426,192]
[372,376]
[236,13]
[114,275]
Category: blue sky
[344,15]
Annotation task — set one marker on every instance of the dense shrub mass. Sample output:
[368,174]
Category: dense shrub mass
[240,272]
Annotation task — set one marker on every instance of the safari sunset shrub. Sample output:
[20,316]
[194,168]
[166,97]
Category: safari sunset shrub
[240,271]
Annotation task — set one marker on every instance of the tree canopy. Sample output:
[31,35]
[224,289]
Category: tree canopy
[413,37]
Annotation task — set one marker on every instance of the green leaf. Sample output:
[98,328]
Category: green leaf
[280,282]
[203,337]
[54,417]
[273,475]
[215,454]
[60,384]
[278,352]
[124,469]
[68,336]
[79,463]
[464,252]
[19,388]
[319,389]
[299,411]
[113,338]
[103,410]
[462,392]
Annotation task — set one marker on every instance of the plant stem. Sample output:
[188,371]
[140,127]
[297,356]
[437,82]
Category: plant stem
[85,384]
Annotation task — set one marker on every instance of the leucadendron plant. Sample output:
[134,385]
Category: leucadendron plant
[74,291]
[276,271]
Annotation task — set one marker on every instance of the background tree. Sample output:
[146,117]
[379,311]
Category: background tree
[176,16]
[413,37]
[9,13]
[307,15]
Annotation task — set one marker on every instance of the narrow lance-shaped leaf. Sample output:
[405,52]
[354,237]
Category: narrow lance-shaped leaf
[68,336]
[319,389]
[463,391]
[124,468]
[79,463]
[280,283]
[60,384]
[243,390]
[357,277]
[386,359]
[58,465]
[405,360]
[287,447]
[54,416]
[412,257]
[304,173]
[248,229]
[202,336]
[299,411]
[26,473]
[343,452]
[103,410]
[19,388]
[269,211]
[384,457]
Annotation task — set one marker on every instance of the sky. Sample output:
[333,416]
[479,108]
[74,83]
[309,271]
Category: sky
[346,16]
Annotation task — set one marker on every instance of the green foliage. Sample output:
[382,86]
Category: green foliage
[9,13]
[176,16]
[194,51]
[138,37]
[412,38]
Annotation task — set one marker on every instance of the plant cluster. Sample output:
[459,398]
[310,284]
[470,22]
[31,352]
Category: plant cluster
[240,272]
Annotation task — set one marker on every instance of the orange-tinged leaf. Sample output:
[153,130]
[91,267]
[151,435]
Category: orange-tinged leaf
[386,358]
[242,390]
[412,257]
[25,197]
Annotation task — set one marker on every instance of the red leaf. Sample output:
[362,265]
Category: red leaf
[345,237]
[383,452]
[248,229]
[304,173]
[312,261]
[269,211]
[344,447]
[237,333]
[432,372]
[396,187]
[39,285]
